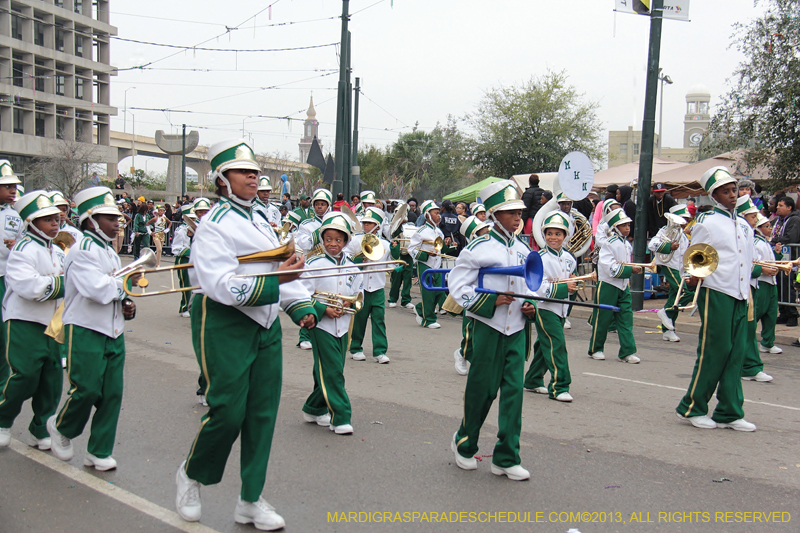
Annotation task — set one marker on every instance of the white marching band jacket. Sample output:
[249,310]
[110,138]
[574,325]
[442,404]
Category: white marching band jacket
[180,240]
[13,229]
[556,265]
[601,235]
[92,296]
[347,282]
[614,252]
[676,263]
[305,233]
[225,233]
[34,280]
[490,250]
[426,232]
[373,281]
[734,244]
[268,211]
[75,232]
[764,252]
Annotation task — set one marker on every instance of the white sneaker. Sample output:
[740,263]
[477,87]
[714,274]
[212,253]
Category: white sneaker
[761,376]
[464,463]
[60,445]
[516,472]
[344,429]
[261,514]
[409,305]
[442,312]
[5,437]
[106,463]
[185,314]
[461,363]
[631,359]
[564,397]
[392,305]
[382,359]
[665,320]
[539,390]
[321,420]
[201,399]
[417,317]
[702,421]
[567,325]
[434,325]
[33,442]
[773,349]
[358,356]
[670,336]
[738,425]
[600,356]
[187,501]
[305,345]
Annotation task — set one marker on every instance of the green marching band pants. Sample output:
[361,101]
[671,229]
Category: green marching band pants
[36,373]
[430,299]
[402,278]
[95,364]
[3,363]
[183,280]
[329,394]
[721,345]
[242,363]
[673,278]
[497,362]
[549,355]
[375,307]
[602,319]
[765,300]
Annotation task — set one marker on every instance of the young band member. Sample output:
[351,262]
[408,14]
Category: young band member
[374,293]
[328,404]
[63,206]
[767,301]
[12,230]
[421,248]
[201,207]
[612,289]
[261,203]
[672,270]
[236,335]
[498,334]
[722,302]
[93,319]
[181,249]
[35,286]
[479,210]
[753,367]
[471,229]
[550,348]
[401,276]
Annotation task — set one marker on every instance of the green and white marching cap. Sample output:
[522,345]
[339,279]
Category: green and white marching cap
[373,214]
[322,194]
[607,205]
[617,217]
[7,176]
[96,201]
[294,217]
[557,220]
[681,210]
[478,208]
[427,206]
[745,206]
[367,196]
[20,191]
[562,197]
[232,154]
[264,184]
[337,221]
[201,204]
[501,196]
[34,205]
[57,198]
[761,220]
[471,226]
[715,177]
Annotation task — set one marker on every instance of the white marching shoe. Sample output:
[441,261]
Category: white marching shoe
[633,359]
[358,356]
[392,305]
[344,429]
[773,349]
[201,399]
[665,320]
[321,420]
[670,336]
[516,472]
[600,356]
[5,437]
[60,445]
[434,325]
[409,305]
[761,376]
[567,325]
[382,359]
[185,314]
[33,442]
[305,345]
[564,397]
[702,421]
[539,390]
[464,463]
[106,463]
[187,501]
[416,316]
[461,363]
[261,514]
[738,425]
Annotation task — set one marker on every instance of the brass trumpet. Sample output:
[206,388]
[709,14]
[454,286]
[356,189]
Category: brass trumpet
[784,266]
[55,329]
[338,301]
[580,280]
[650,267]
[700,261]
[437,244]
[371,247]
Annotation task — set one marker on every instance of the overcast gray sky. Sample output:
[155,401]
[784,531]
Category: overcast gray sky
[418,60]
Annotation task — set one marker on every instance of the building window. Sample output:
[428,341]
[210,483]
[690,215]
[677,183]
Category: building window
[60,82]
[623,149]
[79,88]
[78,6]
[39,82]
[60,127]
[704,108]
[17,74]
[59,3]
[78,46]
[38,33]
[635,149]
[60,40]
[39,125]
[18,122]
[16,27]
[691,108]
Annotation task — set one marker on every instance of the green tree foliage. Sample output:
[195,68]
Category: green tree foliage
[761,113]
[532,127]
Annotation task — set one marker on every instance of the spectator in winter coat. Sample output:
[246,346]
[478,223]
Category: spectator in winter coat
[786,230]
[628,205]
[532,200]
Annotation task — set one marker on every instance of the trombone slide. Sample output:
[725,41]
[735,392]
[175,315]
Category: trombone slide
[651,267]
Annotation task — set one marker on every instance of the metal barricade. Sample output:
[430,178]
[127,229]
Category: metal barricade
[787,293]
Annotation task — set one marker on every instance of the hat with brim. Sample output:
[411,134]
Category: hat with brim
[617,217]
[337,221]
[7,176]
[761,220]
[471,226]
[374,215]
[478,208]
[556,220]
[745,206]
[232,154]
[35,204]
[660,187]
[96,201]
[305,197]
[680,210]
[562,198]
[202,204]
[607,205]
[324,195]
[675,219]
[367,196]
[294,218]
[58,198]
[501,196]
[715,177]
[428,206]
[264,184]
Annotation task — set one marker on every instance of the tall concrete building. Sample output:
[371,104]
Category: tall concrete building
[310,130]
[55,72]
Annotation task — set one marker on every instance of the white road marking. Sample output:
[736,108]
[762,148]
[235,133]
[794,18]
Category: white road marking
[138,503]
[684,389]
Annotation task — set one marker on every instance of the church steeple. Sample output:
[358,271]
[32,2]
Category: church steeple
[310,130]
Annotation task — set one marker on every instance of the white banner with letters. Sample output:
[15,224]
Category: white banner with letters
[673,9]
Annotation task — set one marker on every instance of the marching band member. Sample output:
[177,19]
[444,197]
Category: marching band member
[93,318]
[12,231]
[294,219]
[63,206]
[261,204]
[400,286]
[181,250]
[766,301]
[35,286]
[601,236]
[722,301]
[201,207]
[612,289]
[753,367]
[672,270]
[498,336]
[303,209]
[565,206]
[471,229]
[236,335]
[328,403]
[366,200]
[374,293]
[420,248]
[550,348]
[480,212]
[308,240]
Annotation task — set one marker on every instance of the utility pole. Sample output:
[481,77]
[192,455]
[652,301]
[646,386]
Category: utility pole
[341,105]
[646,154]
[355,175]
[348,127]
[183,163]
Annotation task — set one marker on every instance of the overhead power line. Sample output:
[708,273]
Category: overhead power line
[203,49]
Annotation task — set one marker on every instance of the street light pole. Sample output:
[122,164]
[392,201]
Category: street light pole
[664,79]
[125,113]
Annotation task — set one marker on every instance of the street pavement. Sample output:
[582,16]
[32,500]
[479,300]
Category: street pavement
[617,458]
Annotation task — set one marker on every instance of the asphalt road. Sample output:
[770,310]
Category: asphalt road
[617,458]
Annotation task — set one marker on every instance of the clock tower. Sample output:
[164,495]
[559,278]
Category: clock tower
[697,119]
[310,130]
